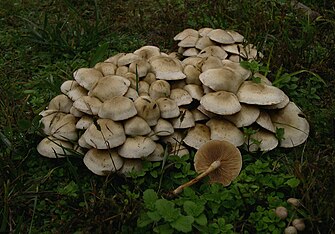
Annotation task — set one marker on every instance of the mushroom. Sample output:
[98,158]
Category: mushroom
[294,123]
[51,147]
[87,77]
[102,162]
[167,68]
[220,160]
[117,108]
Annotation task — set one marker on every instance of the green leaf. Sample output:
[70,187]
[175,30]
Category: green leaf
[183,223]
[293,183]
[256,79]
[144,220]
[201,220]
[154,215]
[193,209]
[149,197]
[163,229]
[167,210]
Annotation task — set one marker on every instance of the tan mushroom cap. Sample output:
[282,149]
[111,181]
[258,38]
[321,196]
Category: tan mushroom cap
[238,38]
[122,70]
[136,126]
[76,93]
[185,119]
[189,41]
[65,128]
[137,147]
[280,105]
[68,85]
[146,52]
[213,50]
[267,141]
[210,63]
[82,143]
[204,42]
[259,94]
[178,150]
[131,166]
[195,61]
[106,68]
[117,108]
[127,59]
[232,49]
[198,115]
[221,79]
[264,120]
[249,51]
[222,129]
[159,88]
[167,68]
[197,136]
[61,103]
[163,128]
[240,71]
[114,59]
[148,109]
[157,155]
[245,117]
[76,113]
[190,52]
[223,151]
[221,36]
[110,86]
[221,102]
[195,91]
[87,77]
[51,147]
[89,105]
[84,122]
[294,123]
[168,108]
[131,94]
[49,119]
[102,162]
[180,96]
[204,31]
[140,67]
[192,73]
[105,134]
[185,33]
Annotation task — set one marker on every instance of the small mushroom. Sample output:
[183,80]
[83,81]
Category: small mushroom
[220,160]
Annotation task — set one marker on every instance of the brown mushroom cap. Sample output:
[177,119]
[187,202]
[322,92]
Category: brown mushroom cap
[223,151]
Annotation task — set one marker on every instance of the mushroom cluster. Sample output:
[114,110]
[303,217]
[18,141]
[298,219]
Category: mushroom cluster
[129,107]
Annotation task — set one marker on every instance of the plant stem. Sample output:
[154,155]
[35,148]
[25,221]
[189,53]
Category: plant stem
[210,169]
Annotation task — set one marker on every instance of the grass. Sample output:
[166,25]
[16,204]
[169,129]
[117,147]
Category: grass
[43,42]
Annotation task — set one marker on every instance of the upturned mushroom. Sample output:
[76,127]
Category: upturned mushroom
[220,160]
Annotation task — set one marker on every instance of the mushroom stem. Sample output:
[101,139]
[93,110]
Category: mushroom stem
[210,169]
